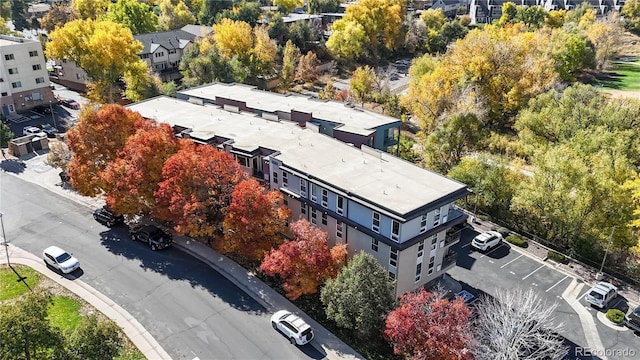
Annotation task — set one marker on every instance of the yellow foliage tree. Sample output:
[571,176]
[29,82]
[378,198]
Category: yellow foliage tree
[288,4]
[174,16]
[232,37]
[347,40]
[603,36]
[91,9]
[105,50]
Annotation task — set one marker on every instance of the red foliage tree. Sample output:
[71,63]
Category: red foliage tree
[305,262]
[196,188]
[254,221]
[132,179]
[427,326]
[95,142]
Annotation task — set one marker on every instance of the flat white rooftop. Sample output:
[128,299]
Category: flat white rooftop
[12,40]
[377,177]
[354,120]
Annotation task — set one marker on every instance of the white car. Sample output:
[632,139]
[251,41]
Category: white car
[601,294]
[292,326]
[60,259]
[32,130]
[487,240]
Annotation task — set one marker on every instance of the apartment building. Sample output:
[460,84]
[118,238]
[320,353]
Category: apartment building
[346,123]
[400,213]
[24,83]
[487,11]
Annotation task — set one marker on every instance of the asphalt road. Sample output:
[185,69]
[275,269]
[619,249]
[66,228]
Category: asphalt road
[191,310]
[505,268]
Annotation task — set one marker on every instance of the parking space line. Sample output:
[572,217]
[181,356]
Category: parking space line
[511,261]
[465,245]
[494,249]
[556,284]
[531,273]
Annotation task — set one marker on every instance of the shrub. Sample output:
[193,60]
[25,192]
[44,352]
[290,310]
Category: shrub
[555,256]
[615,316]
[516,240]
[503,230]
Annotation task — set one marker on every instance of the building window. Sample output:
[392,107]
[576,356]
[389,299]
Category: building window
[374,244]
[395,230]
[423,223]
[16,84]
[436,217]
[393,258]
[1,80]
[144,56]
[421,249]
[434,242]
[375,226]
[314,217]
[340,205]
[324,218]
[243,161]
[339,230]
[285,179]
[39,80]
[275,177]
[314,198]
[392,276]
[431,263]
[159,54]
[303,209]
[325,197]
[4,94]
[303,188]
[418,271]
[13,71]
[285,201]
[33,53]
[36,67]
[9,57]
[172,51]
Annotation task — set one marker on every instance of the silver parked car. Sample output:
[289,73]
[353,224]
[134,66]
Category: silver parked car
[487,240]
[601,294]
[292,326]
[60,259]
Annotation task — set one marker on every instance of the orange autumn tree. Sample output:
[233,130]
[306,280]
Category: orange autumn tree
[305,262]
[196,188]
[95,142]
[132,179]
[429,326]
[255,220]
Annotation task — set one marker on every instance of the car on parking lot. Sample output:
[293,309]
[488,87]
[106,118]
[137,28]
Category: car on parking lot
[42,109]
[292,326]
[632,321]
[155,237]
[70,103]
[60,259]
[601,294]
[49,130]
[32,130]
[487,240]
[107,217]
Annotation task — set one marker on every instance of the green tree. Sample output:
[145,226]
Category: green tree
[347,40]
[105,50]
[631,13]
[133,14]
[210,8]
[362,84]
[323,6]
[277,28]
[203,67]
[174,16]
[247,11]
[18,11]
[572,54]
[26,332]
[90,9]
[289,59]
[5,135]
[509,11]
[360,296]
[60,14]
[532,16]
[406,150]
[94,339]
[303,36]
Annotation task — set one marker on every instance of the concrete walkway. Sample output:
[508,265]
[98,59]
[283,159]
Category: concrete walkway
[38,172]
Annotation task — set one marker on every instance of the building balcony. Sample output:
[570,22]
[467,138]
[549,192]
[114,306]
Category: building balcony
[449,260]
[258,174]
[390,142]
[453,234]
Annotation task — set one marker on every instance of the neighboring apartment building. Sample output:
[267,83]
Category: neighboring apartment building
[346,123]
[487,11]
[24,83]
[401,214]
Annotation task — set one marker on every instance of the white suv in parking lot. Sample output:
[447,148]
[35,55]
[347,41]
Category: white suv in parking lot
[292,326]
[487,240]
[32,130]
[601,294]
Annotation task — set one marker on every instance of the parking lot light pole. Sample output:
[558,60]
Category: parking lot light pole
[4,239]
[599,274]
[53,115]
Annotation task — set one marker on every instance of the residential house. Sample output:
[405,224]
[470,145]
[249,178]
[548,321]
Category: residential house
[346,123]
[449,7]
[23,75]
[487,11]
[369,200]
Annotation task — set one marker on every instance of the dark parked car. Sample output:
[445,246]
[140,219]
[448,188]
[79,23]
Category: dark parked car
[49,130]
[42,109]
[155,237]
[633,320]
[107,217]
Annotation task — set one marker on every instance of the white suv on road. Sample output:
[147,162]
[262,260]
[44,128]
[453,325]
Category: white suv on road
[292,326]
[601,294]
[487,240]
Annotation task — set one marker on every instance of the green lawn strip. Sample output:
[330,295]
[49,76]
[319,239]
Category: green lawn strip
[625,76]
[130,353]
[11,288]
[64,313]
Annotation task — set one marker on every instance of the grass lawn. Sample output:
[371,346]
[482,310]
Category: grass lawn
[9,287]
[64,313]
[623,76]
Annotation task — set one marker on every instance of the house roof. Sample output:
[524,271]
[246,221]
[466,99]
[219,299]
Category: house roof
[197,30]
[174,39]
[380,179]
[354,120]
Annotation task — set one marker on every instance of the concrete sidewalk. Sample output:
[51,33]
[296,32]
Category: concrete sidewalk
[38,172]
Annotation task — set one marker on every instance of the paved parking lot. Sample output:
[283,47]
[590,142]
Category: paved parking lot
[507,267]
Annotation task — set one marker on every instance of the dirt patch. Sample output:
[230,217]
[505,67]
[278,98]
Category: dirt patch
[623,94]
